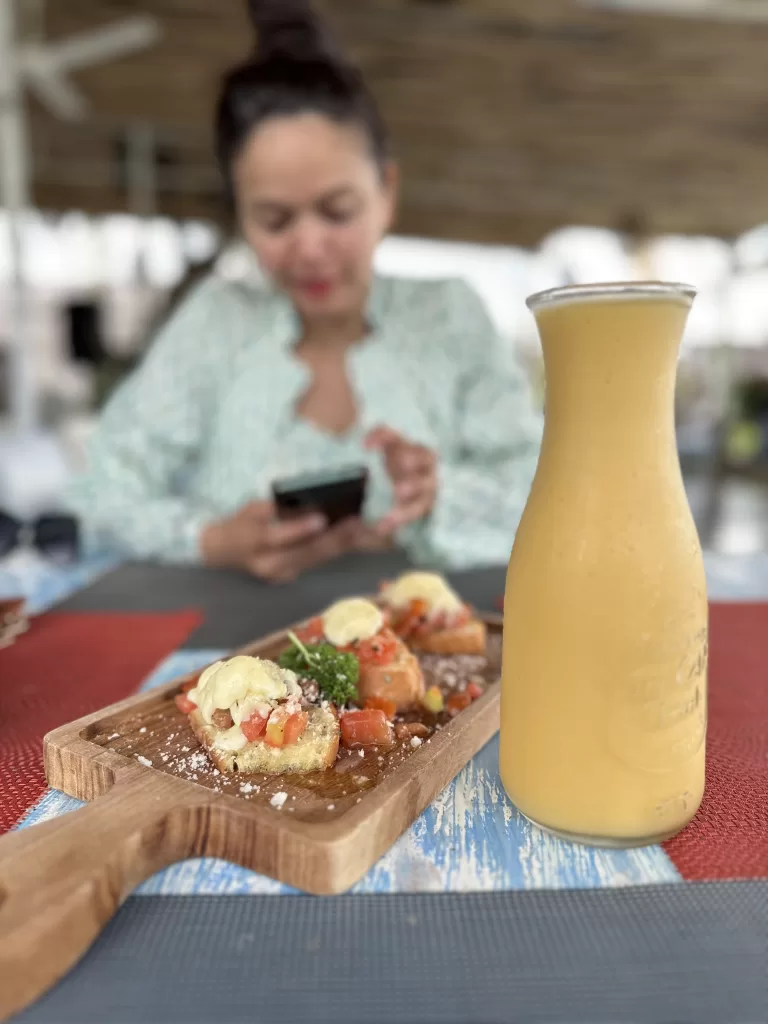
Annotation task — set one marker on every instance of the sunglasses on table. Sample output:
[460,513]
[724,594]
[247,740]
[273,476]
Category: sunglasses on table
[55,536]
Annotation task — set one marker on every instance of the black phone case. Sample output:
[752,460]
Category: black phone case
[336,500]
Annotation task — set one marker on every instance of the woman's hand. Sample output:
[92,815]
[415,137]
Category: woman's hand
[413,471]
[277,550]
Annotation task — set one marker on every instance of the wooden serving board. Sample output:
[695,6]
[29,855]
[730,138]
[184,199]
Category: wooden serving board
[155,798]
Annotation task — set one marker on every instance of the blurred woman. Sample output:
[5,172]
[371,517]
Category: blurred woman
[331,365]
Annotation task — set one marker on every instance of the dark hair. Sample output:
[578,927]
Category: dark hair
[297,67]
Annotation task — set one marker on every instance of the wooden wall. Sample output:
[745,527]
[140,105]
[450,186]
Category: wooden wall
[510,117]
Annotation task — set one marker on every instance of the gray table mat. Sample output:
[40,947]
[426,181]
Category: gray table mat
[688,954]
[238,609]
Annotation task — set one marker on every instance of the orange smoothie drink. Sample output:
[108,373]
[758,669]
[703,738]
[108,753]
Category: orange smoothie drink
[603,715]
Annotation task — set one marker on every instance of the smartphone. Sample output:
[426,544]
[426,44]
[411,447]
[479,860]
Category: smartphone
[336,493]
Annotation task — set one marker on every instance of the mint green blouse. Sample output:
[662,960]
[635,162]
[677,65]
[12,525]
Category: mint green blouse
[208,421]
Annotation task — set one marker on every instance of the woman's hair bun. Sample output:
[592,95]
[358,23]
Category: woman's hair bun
[290,29]
[296,68]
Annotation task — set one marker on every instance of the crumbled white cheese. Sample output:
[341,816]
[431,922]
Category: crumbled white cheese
[331,806]
[144,760]
[361,752]
[143,728]
[279,799]
[198,761]
[114,736]
[415,742]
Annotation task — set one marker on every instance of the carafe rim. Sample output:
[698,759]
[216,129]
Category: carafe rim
[676,291]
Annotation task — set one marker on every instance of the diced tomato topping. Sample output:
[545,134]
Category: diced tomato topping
[367,728]
[450,620]
[416,619]
[285,727]
[295,727]
[475,690]
[378,650]
[410,619]
[312,632]
[253,726]
[382,704]
[184,704]
[461,617]
[423,628]
[458,702]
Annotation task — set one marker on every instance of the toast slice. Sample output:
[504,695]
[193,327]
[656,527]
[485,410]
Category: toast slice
[400,680]
[467,639]
[315,750]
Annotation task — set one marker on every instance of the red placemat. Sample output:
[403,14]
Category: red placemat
[728,838]
[66,666]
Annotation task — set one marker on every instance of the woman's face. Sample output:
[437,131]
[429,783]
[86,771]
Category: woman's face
[313,205]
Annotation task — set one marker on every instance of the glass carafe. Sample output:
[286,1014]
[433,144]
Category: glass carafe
[603,714]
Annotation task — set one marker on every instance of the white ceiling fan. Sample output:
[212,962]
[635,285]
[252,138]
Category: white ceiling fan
[46,66]
[718,10]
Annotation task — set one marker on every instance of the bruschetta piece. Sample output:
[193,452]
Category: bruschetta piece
[387,668]
[399,679]
[428,615]
[250,716]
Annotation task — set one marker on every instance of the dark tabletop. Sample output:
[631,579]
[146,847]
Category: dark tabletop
[667,954]
[688,954]
[239,609]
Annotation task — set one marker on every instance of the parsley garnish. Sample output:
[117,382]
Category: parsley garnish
[335,672]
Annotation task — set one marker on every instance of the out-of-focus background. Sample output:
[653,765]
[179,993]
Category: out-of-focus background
[541,143]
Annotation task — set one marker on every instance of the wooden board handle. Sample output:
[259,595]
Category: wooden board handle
[60,882]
